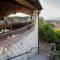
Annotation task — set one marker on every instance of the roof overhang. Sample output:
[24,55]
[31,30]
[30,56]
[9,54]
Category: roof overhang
[12,6]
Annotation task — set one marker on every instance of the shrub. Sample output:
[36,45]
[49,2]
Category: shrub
[46,32]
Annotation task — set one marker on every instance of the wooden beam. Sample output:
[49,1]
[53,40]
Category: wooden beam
[28,13]
[28,5]
[7,8]
[24,10]
[4,8]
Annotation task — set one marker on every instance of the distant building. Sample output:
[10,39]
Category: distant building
[55,23]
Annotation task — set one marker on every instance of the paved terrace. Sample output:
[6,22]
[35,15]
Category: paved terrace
[40,57]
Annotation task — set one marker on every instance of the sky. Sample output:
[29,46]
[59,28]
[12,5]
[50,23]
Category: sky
[51,8]
[19,14]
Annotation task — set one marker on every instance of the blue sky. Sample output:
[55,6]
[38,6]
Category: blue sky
[51,8]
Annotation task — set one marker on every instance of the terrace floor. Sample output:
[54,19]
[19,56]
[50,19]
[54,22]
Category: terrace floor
[40,57]
[44,51]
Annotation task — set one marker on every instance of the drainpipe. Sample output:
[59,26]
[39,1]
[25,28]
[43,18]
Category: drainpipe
[38,36]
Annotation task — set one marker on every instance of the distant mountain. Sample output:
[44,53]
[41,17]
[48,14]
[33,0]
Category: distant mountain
[53,19]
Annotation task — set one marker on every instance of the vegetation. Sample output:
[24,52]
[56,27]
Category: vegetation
[48,34]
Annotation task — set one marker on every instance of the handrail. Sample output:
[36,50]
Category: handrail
[22,29]
[22,54]
[16,31]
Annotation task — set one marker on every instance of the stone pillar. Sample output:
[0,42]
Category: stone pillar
[35,19]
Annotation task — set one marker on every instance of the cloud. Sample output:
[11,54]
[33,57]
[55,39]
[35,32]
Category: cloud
[53,2]
[50,8]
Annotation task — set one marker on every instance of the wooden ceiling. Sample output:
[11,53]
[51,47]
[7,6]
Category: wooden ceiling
[12,6]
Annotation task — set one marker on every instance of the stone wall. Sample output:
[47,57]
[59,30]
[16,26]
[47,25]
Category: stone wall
[21,43]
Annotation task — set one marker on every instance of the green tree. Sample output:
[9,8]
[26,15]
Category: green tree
[46,32]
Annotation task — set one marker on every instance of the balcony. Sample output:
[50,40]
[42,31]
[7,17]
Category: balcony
[16,29]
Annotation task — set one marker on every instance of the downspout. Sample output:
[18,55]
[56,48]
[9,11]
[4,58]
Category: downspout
[38,36]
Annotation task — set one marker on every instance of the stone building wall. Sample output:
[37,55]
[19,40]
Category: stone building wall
[21,43]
